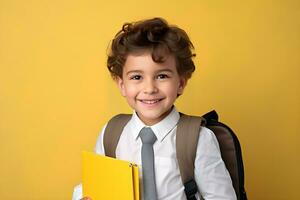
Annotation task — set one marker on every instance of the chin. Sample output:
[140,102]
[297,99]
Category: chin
[153,117]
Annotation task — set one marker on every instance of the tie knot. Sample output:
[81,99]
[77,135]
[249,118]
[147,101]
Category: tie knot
[147,136]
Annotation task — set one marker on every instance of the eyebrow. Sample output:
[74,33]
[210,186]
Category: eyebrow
[165,70]
[158,71]
[134,71]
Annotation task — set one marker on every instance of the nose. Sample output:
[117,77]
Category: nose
[150,87]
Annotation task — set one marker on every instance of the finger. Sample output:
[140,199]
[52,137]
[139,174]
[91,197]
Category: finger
[86,198]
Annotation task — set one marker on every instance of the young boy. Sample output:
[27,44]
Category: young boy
[151,62]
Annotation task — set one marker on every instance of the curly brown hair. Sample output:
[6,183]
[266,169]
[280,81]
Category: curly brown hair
[158,37]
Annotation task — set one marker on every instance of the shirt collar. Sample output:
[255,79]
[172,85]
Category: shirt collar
[160,129]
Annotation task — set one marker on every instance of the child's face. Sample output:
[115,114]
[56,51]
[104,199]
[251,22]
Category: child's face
[150,88]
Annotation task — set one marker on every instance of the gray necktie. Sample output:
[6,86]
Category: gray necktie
[148,139]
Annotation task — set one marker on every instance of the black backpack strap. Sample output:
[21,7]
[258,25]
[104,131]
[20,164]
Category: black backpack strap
[211,116]
[187,136]
[113,132]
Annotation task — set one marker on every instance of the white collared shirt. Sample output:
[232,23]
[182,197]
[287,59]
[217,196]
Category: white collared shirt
[212,178]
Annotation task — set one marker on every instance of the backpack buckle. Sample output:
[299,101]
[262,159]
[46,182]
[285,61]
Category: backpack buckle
[190,189]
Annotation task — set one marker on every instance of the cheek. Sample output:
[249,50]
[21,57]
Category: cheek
[131,91]
[170,90]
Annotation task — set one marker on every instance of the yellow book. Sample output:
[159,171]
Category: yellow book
[105,178]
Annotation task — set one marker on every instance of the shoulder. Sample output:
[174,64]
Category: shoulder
[119,120]
[207,138]
[206,132]
[114,125]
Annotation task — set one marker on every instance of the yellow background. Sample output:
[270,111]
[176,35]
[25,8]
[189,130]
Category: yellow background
[56,94]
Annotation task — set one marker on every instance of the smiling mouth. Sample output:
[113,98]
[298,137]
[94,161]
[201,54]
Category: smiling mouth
[150,101]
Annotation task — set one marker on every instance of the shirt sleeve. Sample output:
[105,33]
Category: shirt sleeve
[99,149]
[212,177]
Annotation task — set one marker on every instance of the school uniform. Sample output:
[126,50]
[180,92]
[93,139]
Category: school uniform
[212,178]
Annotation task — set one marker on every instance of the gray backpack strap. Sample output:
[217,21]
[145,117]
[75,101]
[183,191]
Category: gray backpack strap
[187,136]
[113,132]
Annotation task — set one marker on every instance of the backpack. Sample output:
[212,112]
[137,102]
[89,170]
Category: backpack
[187,134]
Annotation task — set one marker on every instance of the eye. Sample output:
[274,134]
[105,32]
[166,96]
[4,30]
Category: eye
[135,77]
[162,76]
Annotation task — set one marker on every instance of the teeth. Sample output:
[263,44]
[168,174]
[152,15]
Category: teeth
[150,102]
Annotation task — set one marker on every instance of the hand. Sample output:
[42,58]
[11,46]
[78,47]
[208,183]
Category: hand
[86,198]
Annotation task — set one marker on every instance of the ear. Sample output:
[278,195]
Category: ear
[182,84]
[120,83]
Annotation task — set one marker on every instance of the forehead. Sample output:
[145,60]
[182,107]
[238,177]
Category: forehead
[144,61]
